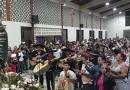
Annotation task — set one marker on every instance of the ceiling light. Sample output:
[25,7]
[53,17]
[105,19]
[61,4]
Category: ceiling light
[114,9]
[90,12]
[107,3]
[120,12]
[64,4]
[103,17]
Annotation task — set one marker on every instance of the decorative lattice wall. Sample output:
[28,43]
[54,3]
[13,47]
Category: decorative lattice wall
[3,8]
[49,14]
[20,10]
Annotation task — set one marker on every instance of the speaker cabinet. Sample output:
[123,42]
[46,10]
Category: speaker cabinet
[81,25]
[35,19]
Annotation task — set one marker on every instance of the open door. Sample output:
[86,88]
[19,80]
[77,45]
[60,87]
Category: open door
[80,35]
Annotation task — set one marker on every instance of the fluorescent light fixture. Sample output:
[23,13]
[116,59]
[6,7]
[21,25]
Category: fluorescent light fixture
[120,12]
[114,9]
[107,3]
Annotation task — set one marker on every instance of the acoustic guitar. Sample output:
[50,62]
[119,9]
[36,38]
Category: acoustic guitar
[33,63]
[43,67]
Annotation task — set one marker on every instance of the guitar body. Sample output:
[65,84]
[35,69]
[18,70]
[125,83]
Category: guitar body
[41,68]
[32,63]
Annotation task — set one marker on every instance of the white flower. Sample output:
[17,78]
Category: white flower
[13,87]
[19,82]
[28,80]
[24,82]
[36,85]
[5,89]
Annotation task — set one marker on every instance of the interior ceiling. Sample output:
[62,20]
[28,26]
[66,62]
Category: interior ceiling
[98,6]
[81,2]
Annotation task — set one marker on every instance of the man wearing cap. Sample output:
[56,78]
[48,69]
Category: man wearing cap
[36,57]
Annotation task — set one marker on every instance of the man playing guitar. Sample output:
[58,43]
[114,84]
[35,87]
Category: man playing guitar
[50,73]
[36,57]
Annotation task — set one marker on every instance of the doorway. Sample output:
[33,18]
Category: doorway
[65,35]
[91,34]
[26,35]
[100,34]
[80,35]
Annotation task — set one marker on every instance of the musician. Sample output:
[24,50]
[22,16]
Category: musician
[50,77]
[67,78]
[69,58]
[35,57]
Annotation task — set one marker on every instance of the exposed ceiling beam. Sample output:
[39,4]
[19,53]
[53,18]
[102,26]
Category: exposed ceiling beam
[74,6]
[112,5]
[118,10]
[93,3]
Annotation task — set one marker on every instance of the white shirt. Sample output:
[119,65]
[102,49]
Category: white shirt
[72,75]
[83,68]
[57,54]
[21,56]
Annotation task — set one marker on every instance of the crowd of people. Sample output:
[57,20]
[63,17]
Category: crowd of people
[96,64]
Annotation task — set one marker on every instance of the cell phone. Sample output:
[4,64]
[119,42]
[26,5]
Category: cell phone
[107,69]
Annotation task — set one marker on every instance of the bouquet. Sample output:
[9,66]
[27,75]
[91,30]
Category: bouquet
[13,81]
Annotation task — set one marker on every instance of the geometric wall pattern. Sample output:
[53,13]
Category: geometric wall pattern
[49,14]
[3,8]
[20,10]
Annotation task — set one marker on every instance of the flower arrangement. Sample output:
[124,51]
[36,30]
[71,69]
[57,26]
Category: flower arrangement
[13,81]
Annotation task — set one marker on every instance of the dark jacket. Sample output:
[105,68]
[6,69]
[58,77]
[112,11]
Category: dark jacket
[108,83]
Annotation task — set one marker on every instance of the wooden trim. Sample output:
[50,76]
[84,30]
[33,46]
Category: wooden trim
[8,10]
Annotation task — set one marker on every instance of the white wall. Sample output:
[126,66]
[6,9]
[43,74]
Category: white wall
[14,31]
[116,25]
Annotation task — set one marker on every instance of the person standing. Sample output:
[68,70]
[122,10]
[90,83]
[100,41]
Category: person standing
[119,71]
[50,77]
[25,51]
[105,81]
[67,78]
[36,56]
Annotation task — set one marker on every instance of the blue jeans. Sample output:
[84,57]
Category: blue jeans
[25,64]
